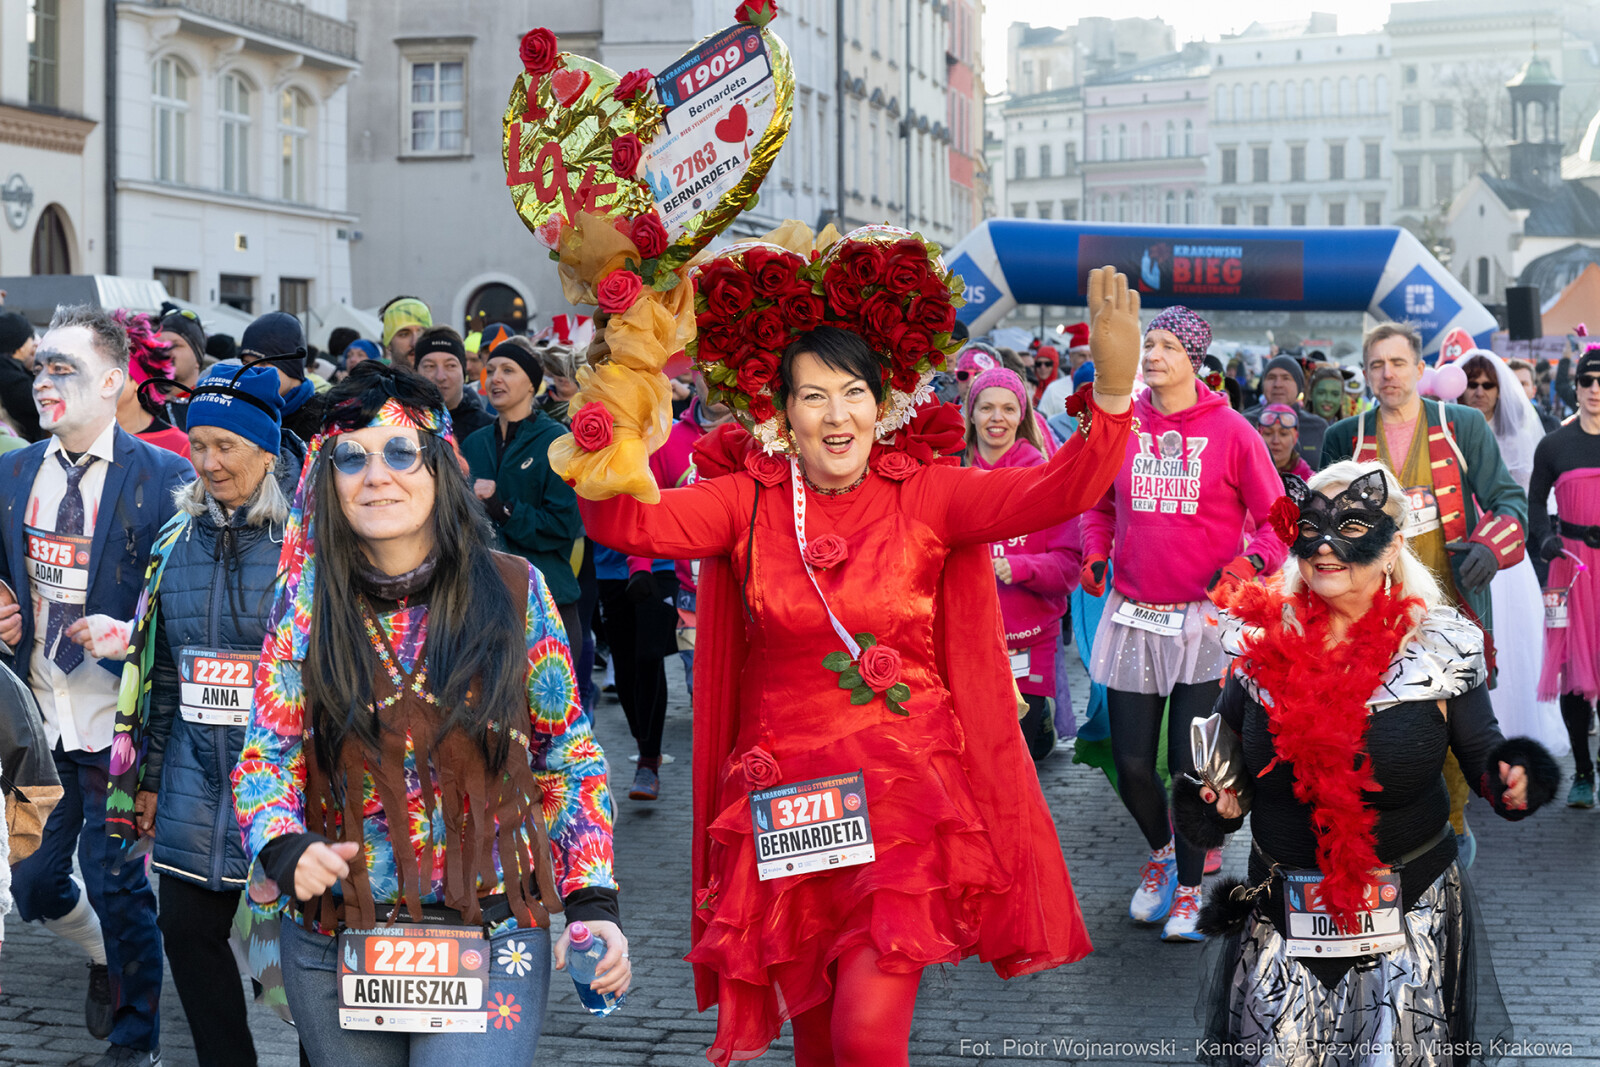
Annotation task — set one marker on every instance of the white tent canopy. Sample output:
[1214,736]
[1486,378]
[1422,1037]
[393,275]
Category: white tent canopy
[322,321]
[218,318]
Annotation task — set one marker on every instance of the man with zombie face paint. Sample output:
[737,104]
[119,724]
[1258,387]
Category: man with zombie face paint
[80,511]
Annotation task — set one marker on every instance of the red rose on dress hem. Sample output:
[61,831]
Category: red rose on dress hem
[591,426]
[626,151]
[896,466]
[1285,520]
[760,768]
[539,52]
[648,235]
[618,290]
[879,668]
[826,551]
[636,81]
[765,468]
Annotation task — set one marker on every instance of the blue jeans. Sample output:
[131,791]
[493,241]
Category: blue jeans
[310,980]
[43,888]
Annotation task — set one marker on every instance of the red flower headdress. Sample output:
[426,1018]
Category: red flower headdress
[884,284]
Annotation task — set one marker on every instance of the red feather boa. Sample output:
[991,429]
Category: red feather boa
[1318,719]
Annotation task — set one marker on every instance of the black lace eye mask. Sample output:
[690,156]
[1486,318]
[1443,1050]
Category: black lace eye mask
[1353,524]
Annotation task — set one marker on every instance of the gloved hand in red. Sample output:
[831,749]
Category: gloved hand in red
[1093,575]
[1241,569]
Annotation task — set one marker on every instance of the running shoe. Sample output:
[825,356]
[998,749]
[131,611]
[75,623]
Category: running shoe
[646,784]
[97,1014]
[1185,914]
[1213,860]
[123,1056]
[1582,793]
[1153,899]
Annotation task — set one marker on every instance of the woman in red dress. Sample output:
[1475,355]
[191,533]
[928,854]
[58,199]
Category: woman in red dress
[849,624]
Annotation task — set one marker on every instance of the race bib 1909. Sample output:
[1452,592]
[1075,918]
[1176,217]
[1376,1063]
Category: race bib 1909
[216,687]
[58,565]
[414,979]
[811,826]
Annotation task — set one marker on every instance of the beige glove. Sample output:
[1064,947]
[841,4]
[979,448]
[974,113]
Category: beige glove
[1113,331]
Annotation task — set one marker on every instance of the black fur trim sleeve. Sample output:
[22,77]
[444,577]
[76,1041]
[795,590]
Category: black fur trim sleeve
[1544,775]
[1196,821]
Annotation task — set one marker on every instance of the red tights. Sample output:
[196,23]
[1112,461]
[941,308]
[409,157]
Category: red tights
[867,1020]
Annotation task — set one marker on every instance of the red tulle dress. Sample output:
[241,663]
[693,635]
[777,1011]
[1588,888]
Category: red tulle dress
[967,857]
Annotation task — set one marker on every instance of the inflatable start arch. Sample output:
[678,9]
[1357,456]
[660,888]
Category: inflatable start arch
[1382,270]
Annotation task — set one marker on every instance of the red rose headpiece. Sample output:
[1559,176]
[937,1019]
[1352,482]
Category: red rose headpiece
[885,285]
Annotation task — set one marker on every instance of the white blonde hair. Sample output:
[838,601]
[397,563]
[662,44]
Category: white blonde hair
[1411,576]
[267,506]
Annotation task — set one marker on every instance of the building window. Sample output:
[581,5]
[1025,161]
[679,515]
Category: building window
[1372,213]
[233,109]
[1483,275]
[294,137]
[437,107]
[1443,182]
[1297,214]
[1172,208]
[1410,185]
[1297,163]
[1372,153]
[237,291]
[1019,163]
[1335,214]
[1044,163]
[169,131]
[1258,215]
[1230,166]
[1230,216]
[178,283]
[1171,144]
[44,52]
[294,295]
[1408,74]
[1019,211]
[1069,209]
[1336,162]
[1046,207]
[1258,164]
[1188,137]
[1444,118]
[1122,208]
[1122,142]
[1188,207]
[1069,156]
[1410,118]
[52,252]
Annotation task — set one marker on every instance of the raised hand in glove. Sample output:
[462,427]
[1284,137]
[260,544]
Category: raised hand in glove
[1241,569]
[1113,335]
[1477,567]
[1093,576]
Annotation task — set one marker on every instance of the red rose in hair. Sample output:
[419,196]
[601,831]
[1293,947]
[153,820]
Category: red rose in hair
[911,344]
[539,52]
[618,290]
[756,367]
[773,273]
[862,262]
[634,82]
[896,466]
[879,667]
[907,266]
[844,296]
[761,408]
[933,314]
[1285,520]
[826,551]
[728,292]
[766,328]
[626,151]
[802,312]
[905,379]
[760,768]
[767,469]
[591,426]
[648,235]
[882,316]
[724,337]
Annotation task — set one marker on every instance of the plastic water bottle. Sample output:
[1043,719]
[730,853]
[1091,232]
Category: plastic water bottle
[584,951]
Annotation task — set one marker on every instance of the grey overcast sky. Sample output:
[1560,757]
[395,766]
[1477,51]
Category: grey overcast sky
[1193,20]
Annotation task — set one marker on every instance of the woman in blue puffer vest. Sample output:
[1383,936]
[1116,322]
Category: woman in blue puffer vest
[211,594]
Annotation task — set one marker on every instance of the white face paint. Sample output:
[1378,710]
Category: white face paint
[74,387]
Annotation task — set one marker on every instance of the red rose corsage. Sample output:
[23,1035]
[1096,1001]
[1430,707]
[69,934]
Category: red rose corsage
[1285,520]
[875,673]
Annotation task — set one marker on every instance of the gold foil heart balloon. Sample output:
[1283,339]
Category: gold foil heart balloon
[691,146]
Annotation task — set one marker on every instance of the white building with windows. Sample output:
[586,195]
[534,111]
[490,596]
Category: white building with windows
[1300,129]
[231,151]
[1043,155]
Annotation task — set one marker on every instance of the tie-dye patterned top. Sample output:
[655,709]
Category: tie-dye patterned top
[270,779]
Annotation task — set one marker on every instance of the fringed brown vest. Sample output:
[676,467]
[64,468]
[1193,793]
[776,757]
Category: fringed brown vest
[480,814]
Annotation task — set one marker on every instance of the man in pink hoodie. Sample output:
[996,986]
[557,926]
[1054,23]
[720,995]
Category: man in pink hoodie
[1190,505]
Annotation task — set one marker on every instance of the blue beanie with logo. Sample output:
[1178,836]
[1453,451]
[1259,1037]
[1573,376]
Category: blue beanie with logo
[248,405]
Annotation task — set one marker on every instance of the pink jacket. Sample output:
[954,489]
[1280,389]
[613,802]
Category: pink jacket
[1044,567]
[1195,491]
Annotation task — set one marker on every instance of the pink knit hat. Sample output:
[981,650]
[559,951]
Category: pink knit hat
[997,378]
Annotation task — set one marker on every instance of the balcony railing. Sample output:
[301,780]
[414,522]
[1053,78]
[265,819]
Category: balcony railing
[275,18]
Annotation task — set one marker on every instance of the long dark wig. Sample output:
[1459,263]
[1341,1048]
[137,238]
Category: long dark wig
[476,650]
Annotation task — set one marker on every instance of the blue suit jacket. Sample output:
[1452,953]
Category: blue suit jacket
[135,504]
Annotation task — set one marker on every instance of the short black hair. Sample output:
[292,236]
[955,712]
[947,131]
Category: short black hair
[841,350]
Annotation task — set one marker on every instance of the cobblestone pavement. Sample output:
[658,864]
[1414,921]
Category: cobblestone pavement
[1536,882]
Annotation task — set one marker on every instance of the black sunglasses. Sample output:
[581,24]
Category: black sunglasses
[400,453]
[1587,381]
[1485,386]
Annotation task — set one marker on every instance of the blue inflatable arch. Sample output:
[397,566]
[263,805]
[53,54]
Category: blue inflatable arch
[1382,270]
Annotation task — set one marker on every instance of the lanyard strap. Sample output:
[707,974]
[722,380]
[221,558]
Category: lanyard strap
[800,536]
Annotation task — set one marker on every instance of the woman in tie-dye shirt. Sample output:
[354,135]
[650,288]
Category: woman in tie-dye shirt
[466,777]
